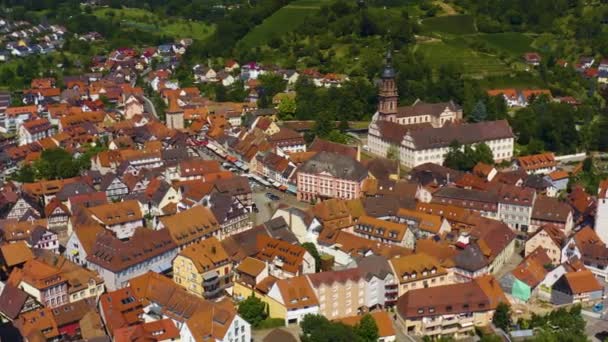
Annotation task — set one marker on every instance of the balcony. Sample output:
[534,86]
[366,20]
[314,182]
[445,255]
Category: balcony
[212,293]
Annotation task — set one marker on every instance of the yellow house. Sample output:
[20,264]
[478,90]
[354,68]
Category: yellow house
[291,299]
[204,269]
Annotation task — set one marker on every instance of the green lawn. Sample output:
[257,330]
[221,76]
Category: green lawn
[473,62]
[284,20]
[149,22]
[453,24]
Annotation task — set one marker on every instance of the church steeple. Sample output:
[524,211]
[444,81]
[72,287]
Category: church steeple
[388,95]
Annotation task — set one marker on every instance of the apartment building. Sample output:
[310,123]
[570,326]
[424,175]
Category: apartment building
[330,175]
[204,269]
[44,283]
[384,231]
[340,293]
[284,260]
[118,260]
[190,226]
[543,163]
[417,271]
[122,218]
[453,310]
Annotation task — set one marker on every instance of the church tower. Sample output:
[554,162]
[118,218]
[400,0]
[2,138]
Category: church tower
[174,115]
[388,96]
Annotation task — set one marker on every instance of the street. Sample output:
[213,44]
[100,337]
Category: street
[266,206]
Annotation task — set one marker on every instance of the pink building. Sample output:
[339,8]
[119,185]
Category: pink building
[330,175]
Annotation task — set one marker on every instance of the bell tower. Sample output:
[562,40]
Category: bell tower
[388,95]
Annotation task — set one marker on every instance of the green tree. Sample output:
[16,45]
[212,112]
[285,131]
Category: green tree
[253,310]
[483,154]
[317,328]
[367,330]
[392,153]
[502,316]
[479,112]
[287,108]
[27,174]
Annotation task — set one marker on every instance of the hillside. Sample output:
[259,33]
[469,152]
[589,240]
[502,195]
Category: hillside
[285,20]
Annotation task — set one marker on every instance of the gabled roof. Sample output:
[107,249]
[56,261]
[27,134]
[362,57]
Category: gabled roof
[583,282]
[297,293]
[537,161]
[117,213]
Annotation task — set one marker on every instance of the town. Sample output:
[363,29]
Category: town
[142,200]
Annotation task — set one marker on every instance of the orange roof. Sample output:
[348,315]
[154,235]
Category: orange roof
[511,93]
[46,92]
[537,161]
[117,213]
[442,251]
[558,174]
[206,254]
[532,269]
[251,266]
[297,293]
[427,222]
[422,265]
[161,330]
[583,282]
[491,287]
[383,321]
[38,320]
[40,275]
[603,188]
[528,93]
[292,256]
[388,230]
[16,253]
[47,82]
[14,111]
[482,169]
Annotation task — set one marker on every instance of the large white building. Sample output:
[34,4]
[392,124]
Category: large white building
[601,217]
[422,133]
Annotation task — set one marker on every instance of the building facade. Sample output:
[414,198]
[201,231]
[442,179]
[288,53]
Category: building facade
[418,134]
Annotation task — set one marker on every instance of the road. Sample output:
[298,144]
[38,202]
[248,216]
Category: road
[149,107]
[265,206]
[597,325]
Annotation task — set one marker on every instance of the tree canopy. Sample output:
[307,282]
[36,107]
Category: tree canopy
[465,158]
[317,328]
[253,310]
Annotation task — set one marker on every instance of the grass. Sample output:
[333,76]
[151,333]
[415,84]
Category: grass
[270,323]
[473,62]
[513,43]
[149,22]
[282,21]
[453,24]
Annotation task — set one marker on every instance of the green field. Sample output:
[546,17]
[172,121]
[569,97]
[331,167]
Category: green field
[453,24]
[473,62]
[513,43]
[284,20]
[149,22]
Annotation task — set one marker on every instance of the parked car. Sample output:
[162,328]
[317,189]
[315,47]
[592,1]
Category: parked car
[272,196]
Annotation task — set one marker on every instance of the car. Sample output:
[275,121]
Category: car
[272,196]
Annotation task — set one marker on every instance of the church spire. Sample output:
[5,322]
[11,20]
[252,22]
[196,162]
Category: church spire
[388,95]
[389,71]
